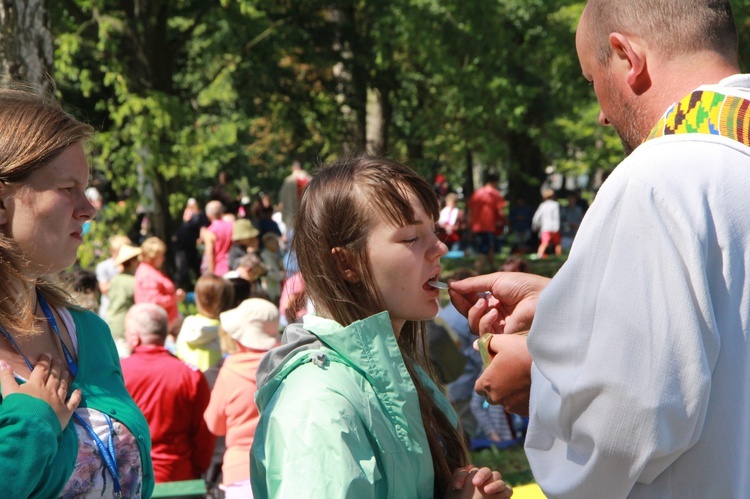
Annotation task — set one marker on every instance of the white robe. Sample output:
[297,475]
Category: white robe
[641,348]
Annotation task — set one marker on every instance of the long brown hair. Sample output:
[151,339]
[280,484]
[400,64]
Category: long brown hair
[336,211]
[34,130]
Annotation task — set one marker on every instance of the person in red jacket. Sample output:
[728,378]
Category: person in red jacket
[487,220]
[171,394]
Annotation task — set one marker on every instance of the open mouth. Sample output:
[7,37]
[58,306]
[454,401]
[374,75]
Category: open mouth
[433,284]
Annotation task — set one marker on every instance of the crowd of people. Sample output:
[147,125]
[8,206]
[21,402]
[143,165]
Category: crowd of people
[246,271]
[482,224]
[299,338]
[195,375]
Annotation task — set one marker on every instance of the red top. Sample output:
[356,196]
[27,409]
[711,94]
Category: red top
[172,396]
[485,209]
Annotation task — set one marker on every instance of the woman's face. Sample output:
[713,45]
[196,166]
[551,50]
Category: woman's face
[44,215]
[402,260]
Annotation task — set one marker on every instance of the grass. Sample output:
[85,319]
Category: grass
[547,267]
[510,462]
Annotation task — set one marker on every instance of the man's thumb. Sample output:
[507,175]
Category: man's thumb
[8,383]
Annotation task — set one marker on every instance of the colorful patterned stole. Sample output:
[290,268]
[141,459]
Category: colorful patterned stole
[707,112]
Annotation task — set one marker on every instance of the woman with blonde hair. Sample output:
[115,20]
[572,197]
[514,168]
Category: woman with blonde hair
[67,424]
[152,285]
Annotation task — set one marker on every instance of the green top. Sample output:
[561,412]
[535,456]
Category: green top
[36,455]
[342,418]
[120,296]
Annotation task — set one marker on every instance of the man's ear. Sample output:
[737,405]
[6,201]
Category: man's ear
[132,340]
[630,59]
[343,260]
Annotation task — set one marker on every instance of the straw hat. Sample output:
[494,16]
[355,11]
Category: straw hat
[254,324]
[243,229]
[126,253]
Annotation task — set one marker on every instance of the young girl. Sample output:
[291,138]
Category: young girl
[346,411]
[198,342]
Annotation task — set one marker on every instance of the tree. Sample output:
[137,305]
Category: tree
[26,48]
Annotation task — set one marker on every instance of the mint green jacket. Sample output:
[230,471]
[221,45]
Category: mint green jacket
[36,455]
[340,416]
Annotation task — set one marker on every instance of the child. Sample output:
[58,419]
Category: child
[345,409]
[547,221]
[198,341]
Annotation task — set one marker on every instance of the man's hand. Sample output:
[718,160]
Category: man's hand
[507,380]
[509,309]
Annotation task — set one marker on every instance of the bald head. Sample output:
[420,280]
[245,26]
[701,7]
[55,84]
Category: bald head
[146,324]
[671,27]
[214,210]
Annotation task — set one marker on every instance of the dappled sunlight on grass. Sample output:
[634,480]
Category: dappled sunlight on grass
[510,462]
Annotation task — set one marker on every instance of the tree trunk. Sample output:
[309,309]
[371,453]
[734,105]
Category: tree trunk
[379,114]
[527,171]
[351,79]
[469,186]
[26,47]
[374,131]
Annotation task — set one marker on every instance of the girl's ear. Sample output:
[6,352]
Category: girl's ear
[3,210]
[343,260]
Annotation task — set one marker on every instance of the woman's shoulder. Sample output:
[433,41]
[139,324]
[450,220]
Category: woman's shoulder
[84,317]
[322,378]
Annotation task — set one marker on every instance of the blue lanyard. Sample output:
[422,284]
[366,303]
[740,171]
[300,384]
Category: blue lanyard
[107,451]
[72,366]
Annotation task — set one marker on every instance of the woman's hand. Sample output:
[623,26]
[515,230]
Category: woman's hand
[49,382]
[473,482]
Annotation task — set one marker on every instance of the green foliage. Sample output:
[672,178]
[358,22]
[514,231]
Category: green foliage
[182,90]
[115,218]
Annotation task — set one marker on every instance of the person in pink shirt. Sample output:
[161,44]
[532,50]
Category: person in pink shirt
[217,239]
[254,326]
[151,284]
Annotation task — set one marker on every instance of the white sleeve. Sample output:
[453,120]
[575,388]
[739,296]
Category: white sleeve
[623,346]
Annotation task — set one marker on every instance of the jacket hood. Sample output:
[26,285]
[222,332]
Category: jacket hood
[295,339]
[366,346]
